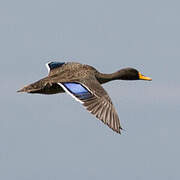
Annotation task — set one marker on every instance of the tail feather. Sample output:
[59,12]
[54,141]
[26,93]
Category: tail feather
[21,90]
[32,87]
[42,87]
[28,89]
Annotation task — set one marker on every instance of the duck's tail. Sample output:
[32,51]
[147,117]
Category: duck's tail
[42,87]
[34,87]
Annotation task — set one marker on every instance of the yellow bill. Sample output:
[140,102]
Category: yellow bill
[142,77]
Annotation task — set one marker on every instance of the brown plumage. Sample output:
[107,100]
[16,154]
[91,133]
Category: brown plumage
[83,82]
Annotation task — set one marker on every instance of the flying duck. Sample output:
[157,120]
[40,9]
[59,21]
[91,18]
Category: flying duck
[83,83]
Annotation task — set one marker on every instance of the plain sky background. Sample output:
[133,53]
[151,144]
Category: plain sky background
[53,137]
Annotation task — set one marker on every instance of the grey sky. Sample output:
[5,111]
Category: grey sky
[53,137]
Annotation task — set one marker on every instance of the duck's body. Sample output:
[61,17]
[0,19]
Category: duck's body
[83,82]
[59,72]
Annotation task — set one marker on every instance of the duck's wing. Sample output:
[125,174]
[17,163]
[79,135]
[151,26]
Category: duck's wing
[92,95]
[52,67]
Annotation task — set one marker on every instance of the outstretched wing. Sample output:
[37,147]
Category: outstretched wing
[96,100]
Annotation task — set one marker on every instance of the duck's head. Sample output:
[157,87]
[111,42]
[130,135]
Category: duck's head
[132,74]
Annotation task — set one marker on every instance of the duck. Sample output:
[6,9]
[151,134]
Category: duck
[84,83]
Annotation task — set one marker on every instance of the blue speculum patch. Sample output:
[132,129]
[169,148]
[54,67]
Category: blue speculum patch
[53,65]
[78,90]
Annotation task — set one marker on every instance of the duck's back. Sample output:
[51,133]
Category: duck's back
[70,71]
[55,68]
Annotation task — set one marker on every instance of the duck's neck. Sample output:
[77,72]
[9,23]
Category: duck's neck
[103,78]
